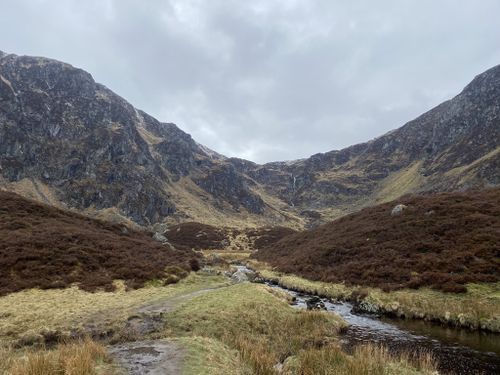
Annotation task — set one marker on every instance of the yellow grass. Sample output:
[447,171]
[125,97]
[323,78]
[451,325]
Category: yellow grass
[478,308]
[80,358]
[366,360]
[267,334]
[27,314]
[207,356]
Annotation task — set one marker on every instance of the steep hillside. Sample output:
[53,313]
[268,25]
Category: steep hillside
[71,142]
[440,240]
[45,247]
[452,147]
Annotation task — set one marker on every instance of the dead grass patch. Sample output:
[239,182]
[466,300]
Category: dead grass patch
[77,358]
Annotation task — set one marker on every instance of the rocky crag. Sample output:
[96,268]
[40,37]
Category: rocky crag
[71,142]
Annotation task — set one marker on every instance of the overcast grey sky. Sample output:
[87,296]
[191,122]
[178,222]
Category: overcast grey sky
[267,80]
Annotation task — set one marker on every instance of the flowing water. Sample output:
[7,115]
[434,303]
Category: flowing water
[457,351]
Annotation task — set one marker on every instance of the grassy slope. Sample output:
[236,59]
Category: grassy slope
[442,241]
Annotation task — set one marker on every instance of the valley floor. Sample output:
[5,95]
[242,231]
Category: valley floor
[477,309]
[202,325]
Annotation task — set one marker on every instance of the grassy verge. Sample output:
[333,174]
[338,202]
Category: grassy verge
[78,358]
[270,337]
[476,309]
[207,356]
[29,316]
[228,256]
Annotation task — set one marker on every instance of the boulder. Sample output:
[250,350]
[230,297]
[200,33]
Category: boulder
[315,303]
[365,307]
[239,277]
[160,237]
[398,209]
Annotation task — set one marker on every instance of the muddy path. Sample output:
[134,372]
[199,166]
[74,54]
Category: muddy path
[152,357]
[155,357]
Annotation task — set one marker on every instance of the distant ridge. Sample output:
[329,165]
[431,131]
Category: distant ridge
[71,142]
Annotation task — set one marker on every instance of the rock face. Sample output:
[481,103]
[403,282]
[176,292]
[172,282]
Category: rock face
[454,146]
[70,141]
[60,129]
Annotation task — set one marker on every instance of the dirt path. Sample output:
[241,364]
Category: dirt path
[153,357]
[157,357]
[170,304]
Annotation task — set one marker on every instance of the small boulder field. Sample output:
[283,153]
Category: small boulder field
[443,241]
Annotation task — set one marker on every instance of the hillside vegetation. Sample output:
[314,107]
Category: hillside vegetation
[45,247]
[443,241]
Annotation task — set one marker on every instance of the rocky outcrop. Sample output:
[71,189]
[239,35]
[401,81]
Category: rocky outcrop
[95,150]
[454,146]
[89,149]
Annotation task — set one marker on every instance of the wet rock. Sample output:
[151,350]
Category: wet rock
[315,303]
[259,279]
[149,357]
[365,307]
[398,209]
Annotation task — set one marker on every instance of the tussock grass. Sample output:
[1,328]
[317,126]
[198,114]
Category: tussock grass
[78,358]
[366,360]
[261,326]
[476,309]
[28,315]
[207,356]
[267,333]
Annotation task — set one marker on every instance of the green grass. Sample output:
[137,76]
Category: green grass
[257,323]
[29,314]
[207,356]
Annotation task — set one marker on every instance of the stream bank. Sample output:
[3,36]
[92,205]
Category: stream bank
[457,351]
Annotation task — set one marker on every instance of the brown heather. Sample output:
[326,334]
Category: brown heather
[266,236]
[197,236]
[442,241]
[45,247]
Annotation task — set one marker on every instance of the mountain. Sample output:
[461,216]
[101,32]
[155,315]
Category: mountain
[45,247]
[454,146]
[442,240]
[71,142]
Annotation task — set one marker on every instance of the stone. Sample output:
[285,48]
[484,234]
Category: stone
[160,237]
[315,303]
[398,209]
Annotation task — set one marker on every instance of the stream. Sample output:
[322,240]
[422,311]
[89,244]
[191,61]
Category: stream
[457,351]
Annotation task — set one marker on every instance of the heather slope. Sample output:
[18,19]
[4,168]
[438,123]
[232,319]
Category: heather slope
[443,241]
[44,247]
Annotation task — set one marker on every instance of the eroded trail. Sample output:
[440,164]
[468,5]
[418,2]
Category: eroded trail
[153,357]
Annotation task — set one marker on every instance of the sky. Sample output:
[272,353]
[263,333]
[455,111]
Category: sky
[267,80]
